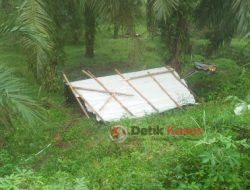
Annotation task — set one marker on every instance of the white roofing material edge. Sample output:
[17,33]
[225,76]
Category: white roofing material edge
[113,111]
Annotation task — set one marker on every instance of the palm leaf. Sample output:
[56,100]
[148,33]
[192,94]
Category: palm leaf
[14,101]
[242,10]
[37,34]
[35,29]
[163,8]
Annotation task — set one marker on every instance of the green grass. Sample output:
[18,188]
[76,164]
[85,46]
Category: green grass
[80,147]
[241,46]
[81,153]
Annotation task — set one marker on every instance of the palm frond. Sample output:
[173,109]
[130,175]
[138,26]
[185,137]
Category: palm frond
[14,101]
[94,5]
[242,10]
[37,29]
[246,36]
[163,8]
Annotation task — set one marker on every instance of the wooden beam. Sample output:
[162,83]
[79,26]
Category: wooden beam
[132,86]
[74,93]
[110,93]
[163,89]
[102,91]
[147,75]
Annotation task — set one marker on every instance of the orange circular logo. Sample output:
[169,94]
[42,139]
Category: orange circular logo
[118,134]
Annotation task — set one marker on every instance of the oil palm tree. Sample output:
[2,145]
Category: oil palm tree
[90,10]
[179,32]
[174,17]
[150,16]
[90,27]
[217,19]
[121,13]
[221,20]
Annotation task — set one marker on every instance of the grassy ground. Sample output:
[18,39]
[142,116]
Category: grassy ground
[77,153]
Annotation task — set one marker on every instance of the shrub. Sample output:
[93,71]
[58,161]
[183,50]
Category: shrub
[27,179]
[229,79]
[213,163]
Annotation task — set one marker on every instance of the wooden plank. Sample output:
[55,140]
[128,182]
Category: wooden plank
[104,87]
[102,91]
[147,75]
[74,92]
[132,86]
[163,89]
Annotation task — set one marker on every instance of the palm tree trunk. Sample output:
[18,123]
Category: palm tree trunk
[150,18]
[90,24]
[116,30]
[76,37]
[181,43]
[174,60]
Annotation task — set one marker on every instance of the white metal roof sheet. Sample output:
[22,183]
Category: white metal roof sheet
[135,103]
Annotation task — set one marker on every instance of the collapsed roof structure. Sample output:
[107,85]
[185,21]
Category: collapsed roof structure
[131,95]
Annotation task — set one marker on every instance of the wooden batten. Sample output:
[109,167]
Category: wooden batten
[89,74]
[102,91]
[138,92]
[147,75]
[161,87]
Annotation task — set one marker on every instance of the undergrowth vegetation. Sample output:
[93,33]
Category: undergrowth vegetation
[80,153]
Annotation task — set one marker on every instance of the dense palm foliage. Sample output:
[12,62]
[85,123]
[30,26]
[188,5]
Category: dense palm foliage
[34,30]
[41,23]
[219,23]
[221,20]
[35,19]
